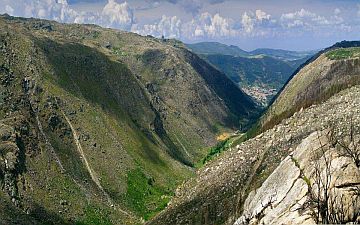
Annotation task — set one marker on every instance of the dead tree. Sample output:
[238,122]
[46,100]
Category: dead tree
[350,144]
[326,206]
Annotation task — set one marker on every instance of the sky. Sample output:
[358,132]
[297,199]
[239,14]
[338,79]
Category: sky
[249,24]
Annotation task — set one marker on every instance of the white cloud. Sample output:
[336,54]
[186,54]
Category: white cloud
[261,15]
[248,22]
[307,20]
[199,26]
[117,15]
[169,27]
[302,18]
[209,26]
[45,9]
[9,9]
[255,24]
[337,11]
[205,25]
[219,26]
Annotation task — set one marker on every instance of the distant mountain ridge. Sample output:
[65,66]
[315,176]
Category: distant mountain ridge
[223,49]
[283,54]
[217,48]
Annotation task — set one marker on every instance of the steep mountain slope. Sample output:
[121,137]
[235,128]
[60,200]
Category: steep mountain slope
[91,118]
[260,73]
[326,73]
[274,177]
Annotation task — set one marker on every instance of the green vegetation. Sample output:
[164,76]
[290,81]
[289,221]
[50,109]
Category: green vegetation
[144,195]
[283,54]
[95,216]
[210,48]
[308,86]
[216,48]
[263,71]
[250,133]
[118,51]
[325,95]
[343,53]
[215,151]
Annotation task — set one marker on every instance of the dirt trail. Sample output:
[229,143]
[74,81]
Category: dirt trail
[92,173]
[81,151]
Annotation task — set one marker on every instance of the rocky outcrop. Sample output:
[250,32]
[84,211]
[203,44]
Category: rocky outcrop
[10,161]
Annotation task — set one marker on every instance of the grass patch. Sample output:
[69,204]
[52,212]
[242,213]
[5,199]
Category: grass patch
[144,196]
[95,216]
[302,173]
[343,53]
[118,51]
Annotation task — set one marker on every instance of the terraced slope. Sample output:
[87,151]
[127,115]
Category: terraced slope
[98,126]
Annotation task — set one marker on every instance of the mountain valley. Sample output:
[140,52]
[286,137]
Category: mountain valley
[300,168]
[260,73]
[104,127]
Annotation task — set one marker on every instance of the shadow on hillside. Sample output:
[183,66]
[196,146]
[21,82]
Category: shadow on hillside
[88,73]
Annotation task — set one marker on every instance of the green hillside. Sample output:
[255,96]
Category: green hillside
[265,70]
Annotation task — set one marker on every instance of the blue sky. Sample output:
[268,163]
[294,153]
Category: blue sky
[250,24]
